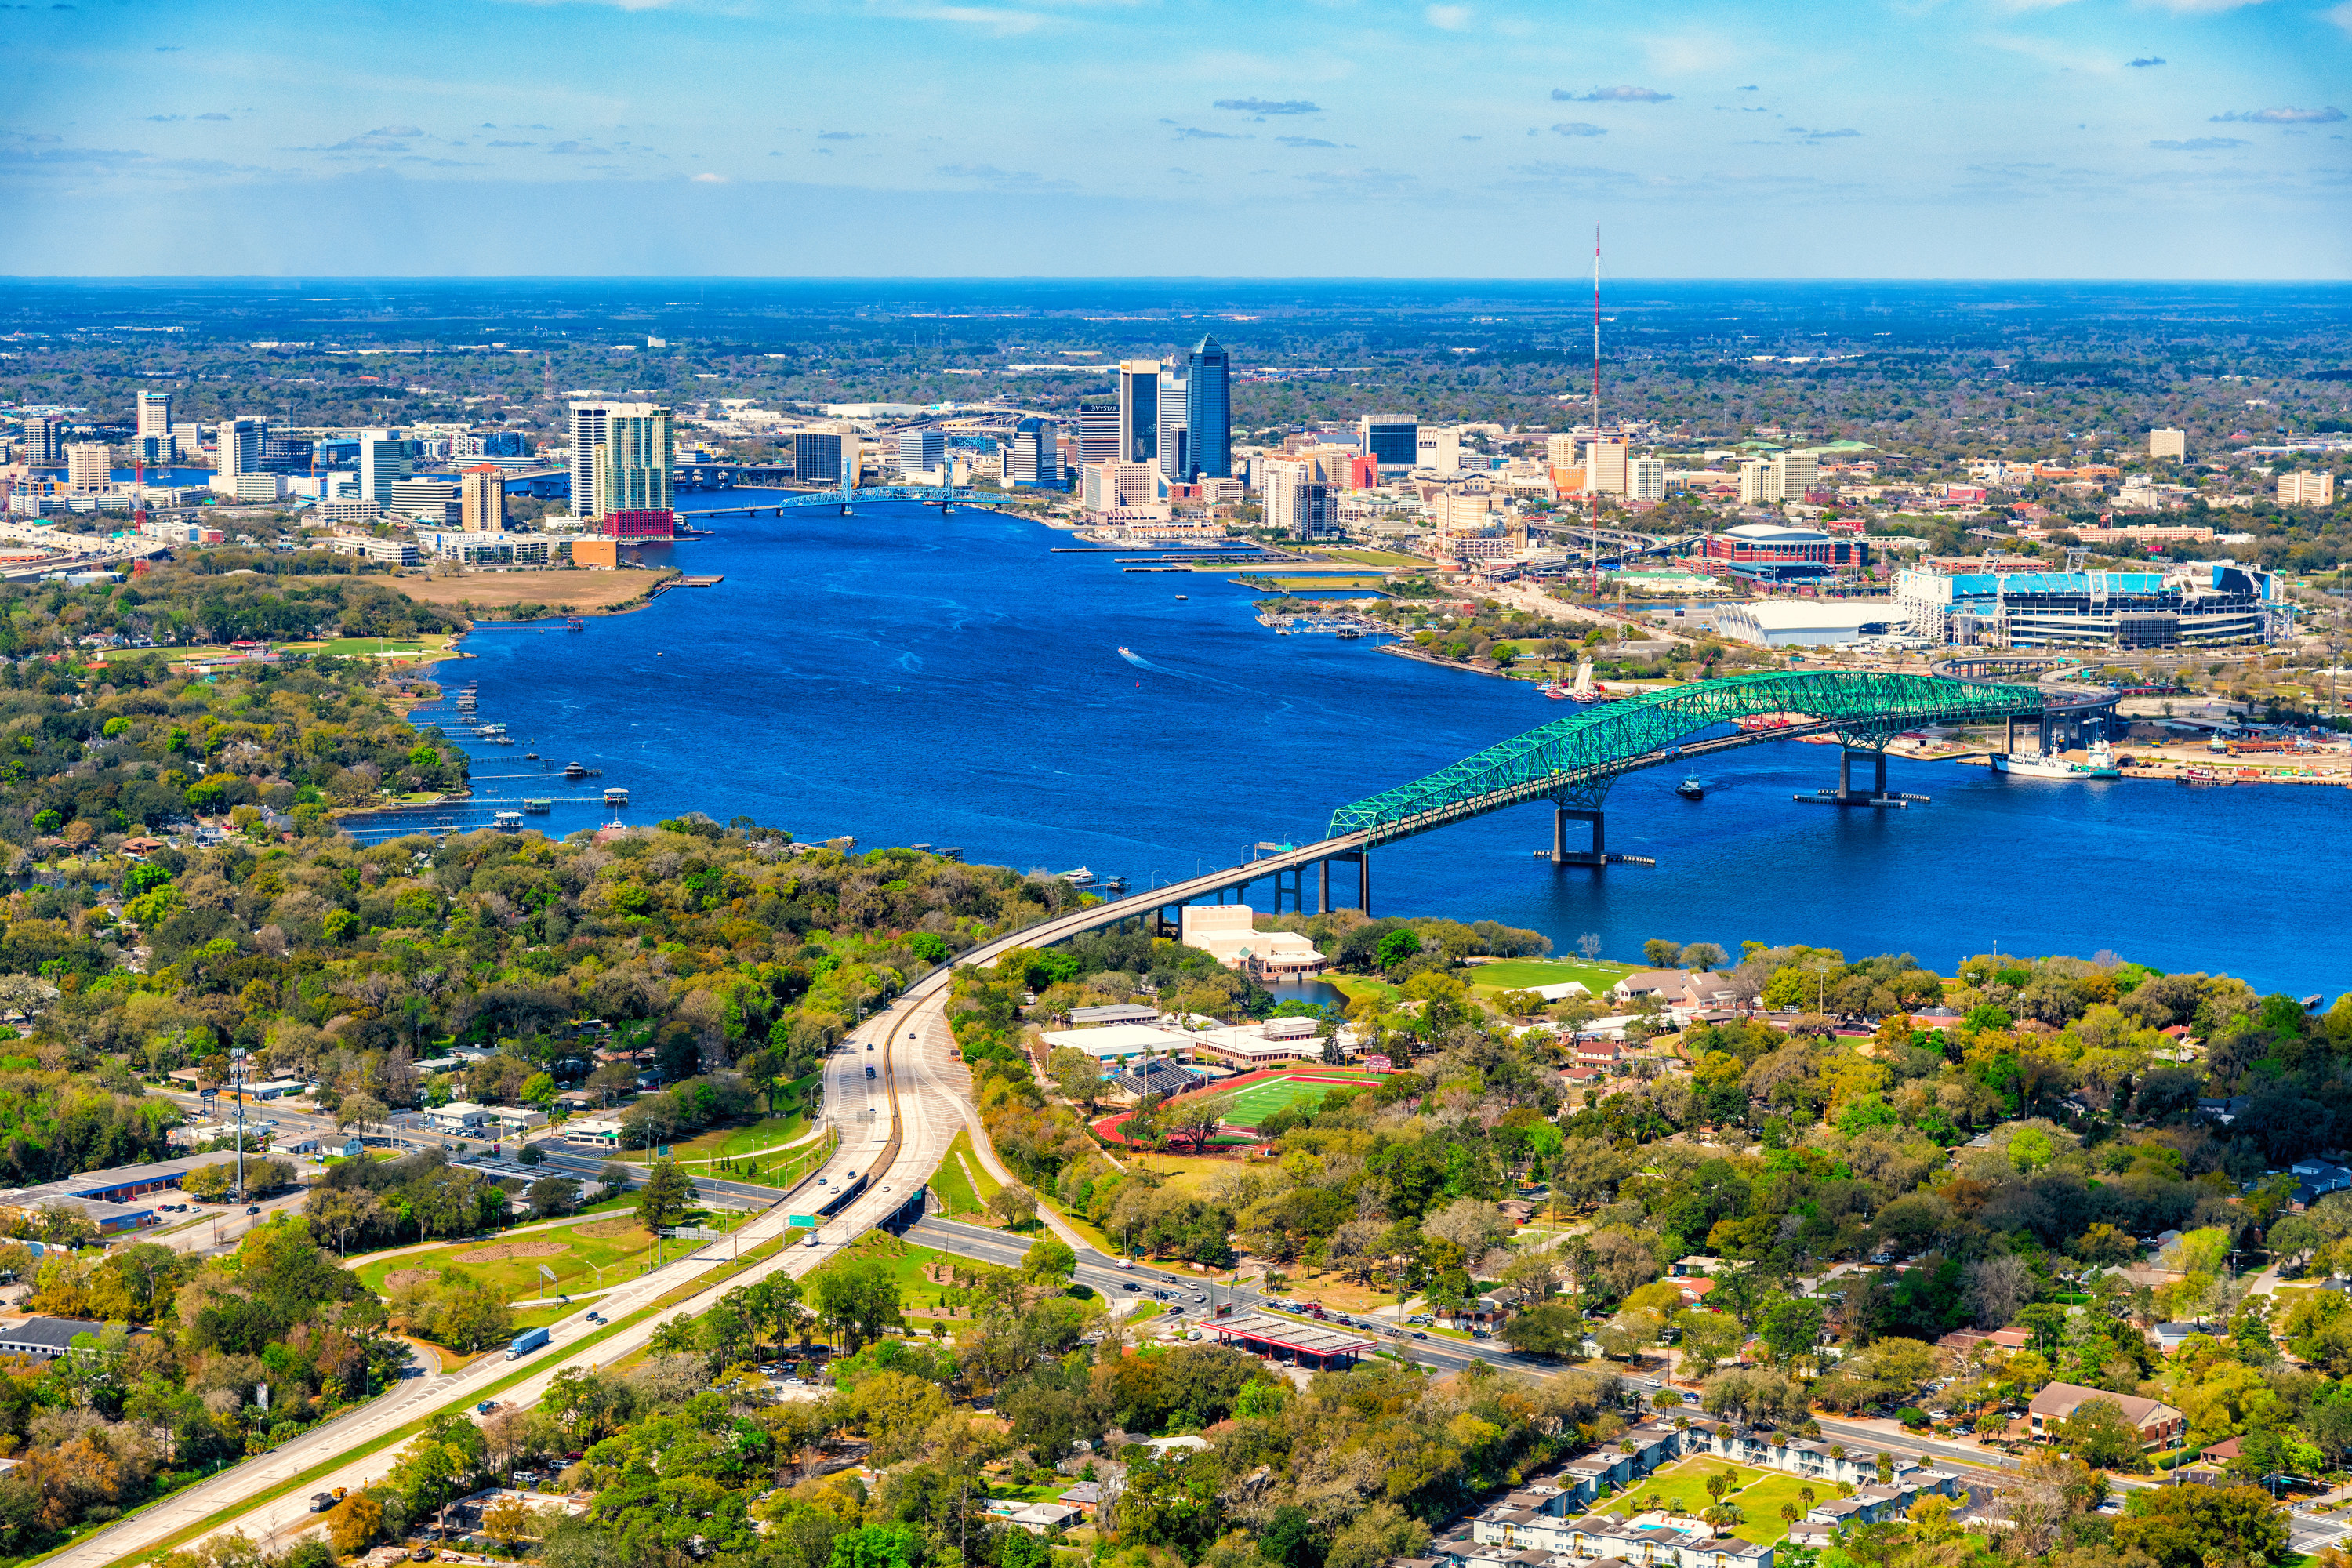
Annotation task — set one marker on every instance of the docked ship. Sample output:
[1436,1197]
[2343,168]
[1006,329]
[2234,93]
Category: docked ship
[2051,765]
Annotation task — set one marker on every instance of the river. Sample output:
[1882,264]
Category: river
[900,677]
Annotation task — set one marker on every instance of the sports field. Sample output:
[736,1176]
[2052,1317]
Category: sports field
[1261,1099]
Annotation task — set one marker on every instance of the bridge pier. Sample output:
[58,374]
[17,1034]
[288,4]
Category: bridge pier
[1844,795]
[1561,854]
[1363,880]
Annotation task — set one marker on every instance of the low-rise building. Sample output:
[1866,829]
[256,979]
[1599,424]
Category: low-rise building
[1226,933]
[2158,1424]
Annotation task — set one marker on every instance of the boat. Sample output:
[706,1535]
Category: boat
[1690,788]
[2052,765]
[1127,653]
[1348,633]
[616,797]
[2208,777]
[574,623]
[538,805]
[1181,597]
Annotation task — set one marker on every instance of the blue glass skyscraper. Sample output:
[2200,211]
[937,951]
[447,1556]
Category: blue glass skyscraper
[1208,413]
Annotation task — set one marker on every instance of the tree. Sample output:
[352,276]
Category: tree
[617,1176]
[1050,1259]
[875,1546]
[1554,1330]
[1013,1204]
[2190,1526]
[1790,1327]
[1660,954]
[1702,956]
[1077,1075]
[1395,948]
[539,1090]
[1708,1338]
[855,1296]
[360,1112]
[553,1195]
[2099,1433]
[663,1199]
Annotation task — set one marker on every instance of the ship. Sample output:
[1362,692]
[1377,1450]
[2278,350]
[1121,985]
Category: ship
[538,805]
[2209,777]
[2051,765]
[1690,788]
[1582,691]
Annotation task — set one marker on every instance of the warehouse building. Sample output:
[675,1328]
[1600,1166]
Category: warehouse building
[1808,623]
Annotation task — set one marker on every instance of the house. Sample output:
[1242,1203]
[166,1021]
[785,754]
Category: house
[45,1339]
[2171,1337]
[1696,1263]
[1040,1517]
[1685,993]
[1606,1055]
[2158,1424]
[1085,1497]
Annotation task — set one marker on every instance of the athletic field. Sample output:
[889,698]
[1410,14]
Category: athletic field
[1253,1105]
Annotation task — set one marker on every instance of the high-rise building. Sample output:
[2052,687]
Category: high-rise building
[1036,453]
[1103,486]
[921,451]
[1138,410]
[1438,449]
[240,452]
[45,440]
[636,460]
[187,439]
[155,414]
[588,421]
[1393,440]
[1646,478]
[2306,489]
[1295,500]
[1173,443]
[1208,413]
[1759,482]
[1560,452]
[482,500]
[1604,467]
[89,467]
[816,456]
[2167,444]
[434,501]
[384,463]
[1097,430]
[1799,474]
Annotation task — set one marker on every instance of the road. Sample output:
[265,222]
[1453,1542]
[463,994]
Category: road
[928,1081]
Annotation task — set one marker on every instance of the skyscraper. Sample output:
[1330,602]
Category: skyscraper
[1097,430]
[89,467]
[45,440]
[587,433]
[482,500]
[1138,410]
[1208,413]
[921,451]
[240,453]
[1393,439]
[1297,502]
[155,414]
[1604,467]
[635,459]
[1647,478]
[384,463]
[1173,446]
[1036,453]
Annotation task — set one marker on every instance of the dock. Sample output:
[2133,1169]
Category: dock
[700,581]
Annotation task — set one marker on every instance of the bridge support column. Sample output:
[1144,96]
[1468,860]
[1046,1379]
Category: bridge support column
[1561,854]
[1846,793]
[1363,860]
[1323,887]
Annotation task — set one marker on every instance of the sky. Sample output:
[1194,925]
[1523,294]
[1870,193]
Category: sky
[1104,138]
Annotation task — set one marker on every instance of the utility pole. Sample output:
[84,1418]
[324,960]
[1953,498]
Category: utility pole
[236,1088]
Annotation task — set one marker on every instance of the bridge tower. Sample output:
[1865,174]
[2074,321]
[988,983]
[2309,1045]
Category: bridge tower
[1869,741]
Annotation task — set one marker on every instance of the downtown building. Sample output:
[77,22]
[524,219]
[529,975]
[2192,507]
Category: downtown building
[623,468]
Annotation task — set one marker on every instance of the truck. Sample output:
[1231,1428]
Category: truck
[525,1342]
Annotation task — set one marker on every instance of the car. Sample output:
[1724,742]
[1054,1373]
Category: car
[253,1209]
[1133,1286]
[869,1044]
[1200,1295]
[1419,1335]
[1123,1263]
[849,1176]
[1690,1399]
[595,1317]
[820,1181]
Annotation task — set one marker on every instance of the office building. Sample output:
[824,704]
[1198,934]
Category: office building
[90,468]
[1037,458]
[1393,440]
[482,499]
[187,440]
[1560,452]
[587,433]
[1440,450]
[1796,473]
[434,501]
[384,461]
[2171,444]
[636,460]
[45,440]
[1646,478]
[240,453]
[1604,467]
[1759,482]
[1138,410]
[1097,430]
[1297,501]
[1174,444]
[155,414]
[817,454]
[921,451]
[1208,412]
[1107,485]
[1222,492]
[2306,489]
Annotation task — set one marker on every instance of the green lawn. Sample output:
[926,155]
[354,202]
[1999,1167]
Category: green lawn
[1760,1494]
[738,1140]
[950,1182]
[518,1278]
[1527,973]
[1261,1100]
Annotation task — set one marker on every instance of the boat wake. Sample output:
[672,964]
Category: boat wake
[1140,662]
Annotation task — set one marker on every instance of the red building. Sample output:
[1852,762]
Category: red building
[1776,552]
[638,524]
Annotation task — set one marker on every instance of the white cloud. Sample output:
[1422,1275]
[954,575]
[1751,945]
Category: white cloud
[1452,18]
[2341,16]
[707,179]
[2328,115]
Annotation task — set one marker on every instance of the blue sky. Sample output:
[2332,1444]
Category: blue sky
[1966,138]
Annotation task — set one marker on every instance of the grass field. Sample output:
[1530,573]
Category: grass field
[1380,558]
[1760,1496]
[368,648]
[511,1267]
[740,1141]
[1314,584]
[1260,1100]
[950,1181]
[562,592]
[1527,973]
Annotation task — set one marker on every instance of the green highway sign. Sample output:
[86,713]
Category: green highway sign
[803,1221]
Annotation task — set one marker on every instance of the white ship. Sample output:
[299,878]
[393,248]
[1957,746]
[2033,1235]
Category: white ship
[2049,765]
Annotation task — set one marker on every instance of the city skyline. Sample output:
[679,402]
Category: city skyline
[2014,139]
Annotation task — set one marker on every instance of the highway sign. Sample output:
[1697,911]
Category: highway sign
[801,1221]
[693,1233]
[549,1274]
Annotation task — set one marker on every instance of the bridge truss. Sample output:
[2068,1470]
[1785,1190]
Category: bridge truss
[1572,762]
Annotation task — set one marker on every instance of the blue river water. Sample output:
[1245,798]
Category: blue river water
[902,676]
